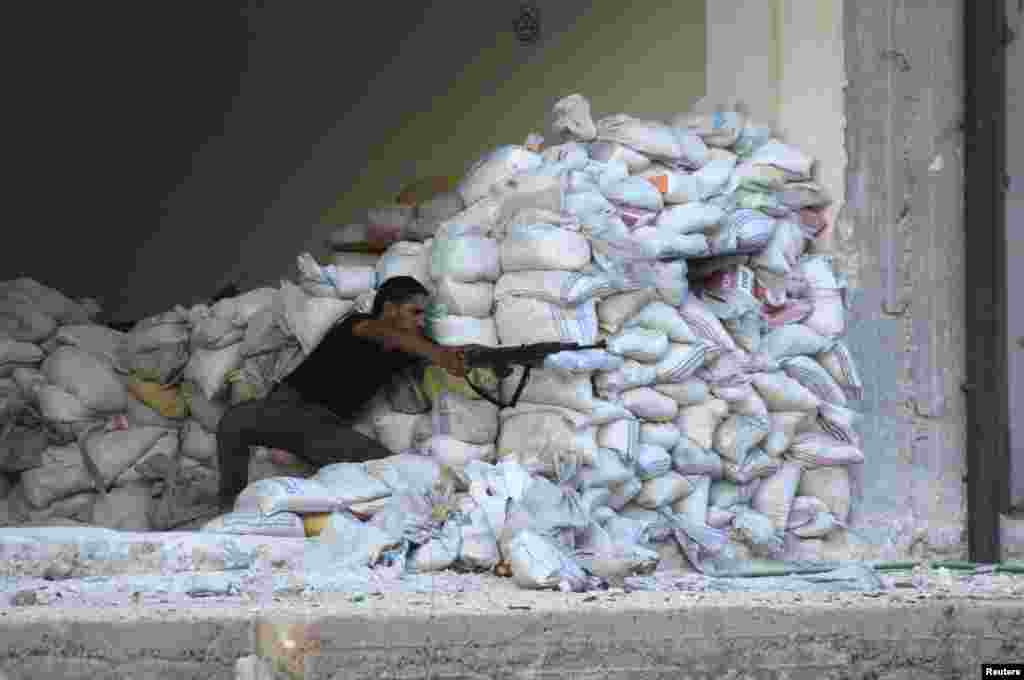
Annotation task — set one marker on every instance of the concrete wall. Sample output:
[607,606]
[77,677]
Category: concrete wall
[308,134]
[901,233]
[1015,246]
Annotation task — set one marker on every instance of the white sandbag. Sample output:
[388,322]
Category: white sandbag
[793,340]
[466,299]
[703,322]
[782,393]
[813,449]
[47,300]
[465,330]
[750,404]
[539,439]
[839,363]
[585,361]
[831,485]
[719,129]
[347,282]
[211,332]
[616,310]
[571,117]
[287,494]
[700,422]
[538,563]
[479,542]
[648,404]
[493,167]
[455,455]
[570,155]
[621,495]
[395,430]
[88,378]
[543,247]
[197,442]
[785,157]
[743,231]
[840,422]
[639,344]
[694,506]
[665,435]
[615,153]
[352,483]
[125,508]
[649,137]
[688,458]
[634,191]
[307,318]
[664,490]
[208,369]
[58,406]
[659,316]
[62,474]
[774,495]
[691,218]
[465,258]
[406,258]
[621,436]
[681,362]
[652,461]
[153,464]
[811,375]
[535,190]
[249,523]
[784,250]
[828,316]
[713,178]
[94,339]
[665,245]
[630,375]
[588,203]
[730,292]
[608,469]
[804,509]
[784,427]
[242,308]
[611,560]
[439,553]
[15,354]
[564,288]
[346,260]
[548,387]
[470,420]
[676,187]
[757,464]
[801,195]
[523,321]
[737,435]
[689,392]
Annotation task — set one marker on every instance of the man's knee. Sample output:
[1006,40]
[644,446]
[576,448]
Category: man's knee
[237,419]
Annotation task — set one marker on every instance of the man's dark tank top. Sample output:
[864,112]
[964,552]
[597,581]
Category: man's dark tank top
[345,371]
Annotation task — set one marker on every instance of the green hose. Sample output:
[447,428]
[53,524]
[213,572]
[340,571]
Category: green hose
[894,566]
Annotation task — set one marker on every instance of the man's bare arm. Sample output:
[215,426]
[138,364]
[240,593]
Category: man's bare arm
[449,358]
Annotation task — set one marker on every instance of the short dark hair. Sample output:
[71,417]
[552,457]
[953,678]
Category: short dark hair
[397,290]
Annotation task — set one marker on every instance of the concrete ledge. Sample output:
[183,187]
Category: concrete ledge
[649,635]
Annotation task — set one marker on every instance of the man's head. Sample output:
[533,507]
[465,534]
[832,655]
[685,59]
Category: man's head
[402,300]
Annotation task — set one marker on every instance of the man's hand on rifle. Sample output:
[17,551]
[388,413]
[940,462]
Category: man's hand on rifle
[453,360]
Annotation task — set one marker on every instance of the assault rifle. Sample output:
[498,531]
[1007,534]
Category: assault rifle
[501,360]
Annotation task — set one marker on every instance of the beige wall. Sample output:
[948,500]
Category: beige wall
[782,61]
[625,61]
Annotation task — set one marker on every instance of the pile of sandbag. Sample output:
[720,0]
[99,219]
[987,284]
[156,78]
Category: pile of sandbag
[119,429]
[715,425]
